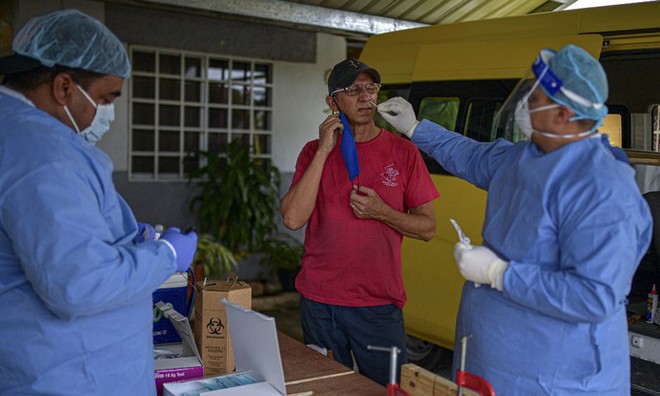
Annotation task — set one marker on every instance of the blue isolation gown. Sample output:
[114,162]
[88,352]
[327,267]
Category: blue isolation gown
[574,226]
[75,292]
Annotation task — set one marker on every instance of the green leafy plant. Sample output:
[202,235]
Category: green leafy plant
[237,197]
[281,252]
[215,258]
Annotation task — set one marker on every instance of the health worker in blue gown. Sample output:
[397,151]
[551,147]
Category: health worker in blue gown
[76,279]
[564,230]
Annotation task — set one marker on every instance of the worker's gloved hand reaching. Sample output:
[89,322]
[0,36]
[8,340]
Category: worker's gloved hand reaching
[183,246]
[480,264]
[146,232]
[400,114]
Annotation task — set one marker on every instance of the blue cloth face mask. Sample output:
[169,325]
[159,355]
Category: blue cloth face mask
[105,114]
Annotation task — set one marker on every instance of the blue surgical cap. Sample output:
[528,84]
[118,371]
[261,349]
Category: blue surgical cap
[72,39]
[583,83]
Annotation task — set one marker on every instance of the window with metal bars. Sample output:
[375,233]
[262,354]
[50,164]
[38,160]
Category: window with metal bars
[183,102]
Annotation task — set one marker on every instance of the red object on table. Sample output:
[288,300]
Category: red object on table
[395,390]
[474,382]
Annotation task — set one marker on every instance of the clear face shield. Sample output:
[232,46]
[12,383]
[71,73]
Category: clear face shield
[513,121]
[505,124]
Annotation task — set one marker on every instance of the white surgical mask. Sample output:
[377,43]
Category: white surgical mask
[105,114]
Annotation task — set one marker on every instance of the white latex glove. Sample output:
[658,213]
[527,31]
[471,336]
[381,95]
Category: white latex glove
[400,114]
[479,264]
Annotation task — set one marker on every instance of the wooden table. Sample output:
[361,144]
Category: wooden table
[306,370]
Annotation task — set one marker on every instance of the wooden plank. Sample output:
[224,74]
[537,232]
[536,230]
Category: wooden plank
[352,384]
[300,362]
[421,382]
[416,381]
[307,372]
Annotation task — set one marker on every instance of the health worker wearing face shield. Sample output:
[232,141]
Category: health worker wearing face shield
[564,231]
[77,272]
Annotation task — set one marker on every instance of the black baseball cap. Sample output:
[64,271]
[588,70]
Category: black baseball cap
[346,71]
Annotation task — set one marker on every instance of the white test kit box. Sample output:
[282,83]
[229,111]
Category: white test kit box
[258,363]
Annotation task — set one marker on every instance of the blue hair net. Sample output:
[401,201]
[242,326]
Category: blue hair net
[583,83]
[72,39]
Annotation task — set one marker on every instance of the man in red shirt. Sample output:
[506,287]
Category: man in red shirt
[350,282]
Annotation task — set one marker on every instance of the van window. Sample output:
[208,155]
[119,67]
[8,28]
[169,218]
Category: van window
[508,129]
[442,111]
[655,130]
[612,126]
[480,117]
[387,93]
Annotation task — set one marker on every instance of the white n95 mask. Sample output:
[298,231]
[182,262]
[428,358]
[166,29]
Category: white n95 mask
[524,120]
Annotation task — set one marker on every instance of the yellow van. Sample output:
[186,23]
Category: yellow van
[458,75]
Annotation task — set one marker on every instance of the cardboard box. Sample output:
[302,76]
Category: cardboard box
[176,361]
[210,325]
[258,361]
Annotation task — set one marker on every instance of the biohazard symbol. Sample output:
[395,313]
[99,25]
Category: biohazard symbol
[354,63]
[215,326]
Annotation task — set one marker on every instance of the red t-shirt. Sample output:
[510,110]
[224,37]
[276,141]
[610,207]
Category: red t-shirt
[356,262]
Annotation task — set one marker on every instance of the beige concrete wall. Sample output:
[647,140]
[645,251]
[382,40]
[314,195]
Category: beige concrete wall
[299,100]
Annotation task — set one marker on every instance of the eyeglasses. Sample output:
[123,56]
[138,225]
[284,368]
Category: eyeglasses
[356,89]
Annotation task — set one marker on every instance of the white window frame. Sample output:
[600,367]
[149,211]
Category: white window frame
[257,135]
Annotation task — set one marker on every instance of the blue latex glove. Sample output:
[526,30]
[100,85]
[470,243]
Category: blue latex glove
[146,232]
[183,246]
